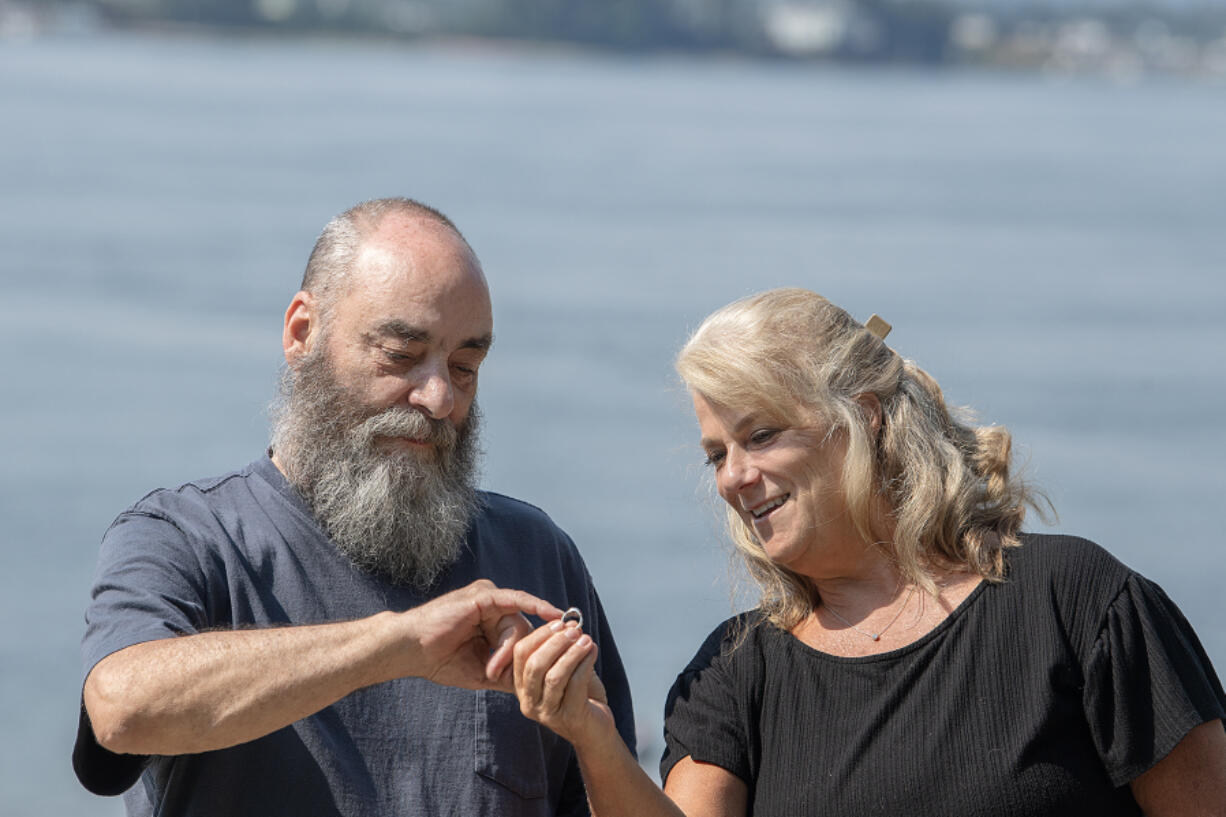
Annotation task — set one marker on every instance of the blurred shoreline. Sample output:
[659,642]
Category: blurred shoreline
[1122,41]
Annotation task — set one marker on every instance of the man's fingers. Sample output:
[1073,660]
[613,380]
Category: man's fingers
[506,632]
[496,616]
[495,602]
[510,628]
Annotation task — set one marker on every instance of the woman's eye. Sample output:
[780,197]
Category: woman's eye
[763,436]
[714,458]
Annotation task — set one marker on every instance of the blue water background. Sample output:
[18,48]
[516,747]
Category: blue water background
[1051,249]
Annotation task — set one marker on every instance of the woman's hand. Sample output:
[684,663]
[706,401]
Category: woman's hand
[556,683]
[555,679]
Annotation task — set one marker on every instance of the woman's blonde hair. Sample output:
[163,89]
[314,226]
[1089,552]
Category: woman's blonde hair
[951,499]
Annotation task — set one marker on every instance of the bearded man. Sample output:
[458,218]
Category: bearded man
[328,630]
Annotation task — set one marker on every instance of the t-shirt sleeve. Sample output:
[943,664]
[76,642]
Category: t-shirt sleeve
[149,585]
[1148,681]
[706,714]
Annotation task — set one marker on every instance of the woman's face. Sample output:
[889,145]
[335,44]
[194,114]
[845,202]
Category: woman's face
[784,482]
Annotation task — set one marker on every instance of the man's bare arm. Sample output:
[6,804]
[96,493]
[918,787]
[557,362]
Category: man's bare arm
[217,689]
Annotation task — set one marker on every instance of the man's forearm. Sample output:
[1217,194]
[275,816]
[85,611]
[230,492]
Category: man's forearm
[217,689]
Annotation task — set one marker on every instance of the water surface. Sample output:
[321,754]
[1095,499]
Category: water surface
[1050,250]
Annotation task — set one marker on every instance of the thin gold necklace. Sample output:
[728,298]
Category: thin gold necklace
[875,636]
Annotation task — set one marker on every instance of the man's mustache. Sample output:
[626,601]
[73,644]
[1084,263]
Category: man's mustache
[399,421]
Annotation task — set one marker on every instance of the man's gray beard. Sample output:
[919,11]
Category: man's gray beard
[399,514]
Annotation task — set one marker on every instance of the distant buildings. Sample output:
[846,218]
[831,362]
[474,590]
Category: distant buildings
[1112,37]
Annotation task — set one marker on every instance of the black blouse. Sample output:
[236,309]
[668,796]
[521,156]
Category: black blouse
[1042,695]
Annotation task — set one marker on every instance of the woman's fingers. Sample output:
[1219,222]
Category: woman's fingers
[595,687]
[579,688]
[559,677]
[540,679]
[534,655]
[544,663]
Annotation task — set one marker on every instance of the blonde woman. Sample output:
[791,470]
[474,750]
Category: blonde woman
[913,651]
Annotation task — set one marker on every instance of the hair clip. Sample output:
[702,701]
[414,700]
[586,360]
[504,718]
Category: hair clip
[877,327]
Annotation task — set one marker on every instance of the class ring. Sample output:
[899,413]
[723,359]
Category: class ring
[573,614]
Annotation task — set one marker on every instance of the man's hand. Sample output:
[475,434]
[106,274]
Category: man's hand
[466,638]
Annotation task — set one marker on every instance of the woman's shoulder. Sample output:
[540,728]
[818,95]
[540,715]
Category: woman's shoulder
[733,640]
[729,666]
[1063,558]
[1073,577]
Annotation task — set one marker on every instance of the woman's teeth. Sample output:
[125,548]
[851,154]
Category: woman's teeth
[763,510]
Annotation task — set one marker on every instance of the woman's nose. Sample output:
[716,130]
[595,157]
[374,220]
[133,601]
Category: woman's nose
[737,473]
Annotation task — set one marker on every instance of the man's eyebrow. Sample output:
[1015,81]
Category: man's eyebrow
[481,344]
[407,333]
[399,330]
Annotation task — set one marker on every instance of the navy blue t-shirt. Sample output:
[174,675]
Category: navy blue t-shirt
[244,550]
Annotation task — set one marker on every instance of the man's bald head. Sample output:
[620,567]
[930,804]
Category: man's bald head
[328,270]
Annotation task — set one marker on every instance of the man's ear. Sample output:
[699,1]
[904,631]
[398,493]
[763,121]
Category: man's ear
[301,325]
[871,406]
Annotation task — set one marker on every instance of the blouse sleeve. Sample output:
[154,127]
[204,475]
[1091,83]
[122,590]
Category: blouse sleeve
[1148,681]
[706,716]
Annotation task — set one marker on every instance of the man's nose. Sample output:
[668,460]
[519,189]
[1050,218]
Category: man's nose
[434,394]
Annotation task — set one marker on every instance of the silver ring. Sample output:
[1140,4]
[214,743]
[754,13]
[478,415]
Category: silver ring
[573,614]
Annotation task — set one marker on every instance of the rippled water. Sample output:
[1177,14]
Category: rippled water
[1050,250]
